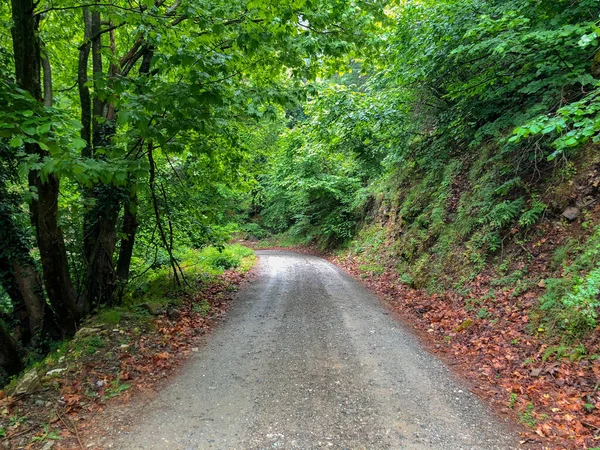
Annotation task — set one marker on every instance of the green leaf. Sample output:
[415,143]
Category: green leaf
[45,128]
[16,142]
[78,144]
[571,141]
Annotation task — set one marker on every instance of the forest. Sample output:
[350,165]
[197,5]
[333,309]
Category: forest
[447,148]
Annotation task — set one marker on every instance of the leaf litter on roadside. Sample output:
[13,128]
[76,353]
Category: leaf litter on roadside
[556,399]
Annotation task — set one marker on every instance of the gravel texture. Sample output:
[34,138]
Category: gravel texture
[309,359]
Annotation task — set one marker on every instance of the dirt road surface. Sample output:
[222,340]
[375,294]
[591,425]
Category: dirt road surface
[309,359]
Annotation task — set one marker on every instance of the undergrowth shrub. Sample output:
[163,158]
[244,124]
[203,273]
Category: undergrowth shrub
[571,302]
[218,259]
[195,263]
[253,229]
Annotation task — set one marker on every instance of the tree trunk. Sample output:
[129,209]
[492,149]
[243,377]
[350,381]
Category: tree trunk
[53,254]
[101,275]
[47,71]
[84,90]
[50,239]
[102,128]
[10,360]
[23,284]
[18,318]
[29,284]
[99,138]
[104,201]
[130,226]
[18,274]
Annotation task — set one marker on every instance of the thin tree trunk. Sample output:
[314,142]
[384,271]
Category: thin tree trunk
[47,71]
[93,214]
[84,90]
[163,236]
[130,226]
[45,210]
[130,222]
[99,136]
[41,320]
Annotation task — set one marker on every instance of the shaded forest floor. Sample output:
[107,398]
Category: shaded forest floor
[488,335]
[108,364]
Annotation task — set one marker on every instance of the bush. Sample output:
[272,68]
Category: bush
[572,301]
[253,229]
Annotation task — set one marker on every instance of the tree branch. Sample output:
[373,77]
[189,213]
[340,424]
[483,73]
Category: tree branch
[96,35]
[163,236]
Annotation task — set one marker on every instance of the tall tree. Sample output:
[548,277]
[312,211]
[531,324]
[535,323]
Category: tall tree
[44,208]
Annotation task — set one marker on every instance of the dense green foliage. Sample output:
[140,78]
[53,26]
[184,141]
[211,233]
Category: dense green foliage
[424,135]
[572,300]
[445,152]
[317,177]
[133,134]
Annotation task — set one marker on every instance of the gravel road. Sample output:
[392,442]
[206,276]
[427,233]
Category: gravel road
[309,359]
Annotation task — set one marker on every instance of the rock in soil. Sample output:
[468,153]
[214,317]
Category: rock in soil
[571,213]
[29,384]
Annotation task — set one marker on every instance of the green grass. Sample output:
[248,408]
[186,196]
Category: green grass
[115,388]
[203,307]
[110,316]
[526,417]
[215,261]
[196,264]
[92,344]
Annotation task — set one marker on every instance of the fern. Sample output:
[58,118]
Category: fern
[508,186]
[504,213]
[584,297]
[532,215]
[572,301]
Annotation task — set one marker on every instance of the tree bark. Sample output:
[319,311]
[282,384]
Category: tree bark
[49,236]
[47,71]
[101,275]
[99,126]
[103,201]
[18,273]
[23,284]
[101,230]
[92,214]
[130,222]
[130,226]
[53,253]
[10,360]
[18,318]
[84,90]
[29,284]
